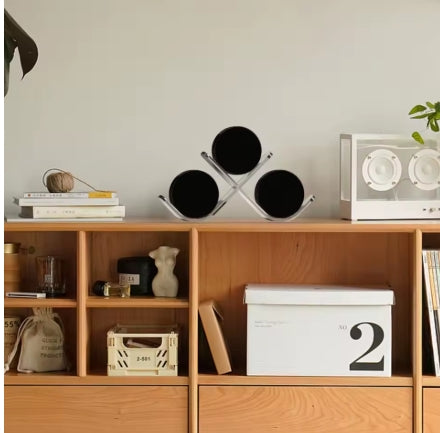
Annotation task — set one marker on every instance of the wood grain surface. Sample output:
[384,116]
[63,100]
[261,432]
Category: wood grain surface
[217,258]
[431,410]
[235,409]
[97,409]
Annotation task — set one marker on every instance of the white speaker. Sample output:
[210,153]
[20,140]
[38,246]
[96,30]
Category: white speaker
[384,176]
[424,169]
[381,170]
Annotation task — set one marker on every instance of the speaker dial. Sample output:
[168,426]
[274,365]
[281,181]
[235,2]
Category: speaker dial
[381,170]
[424,169]
[279,193]
[194,193]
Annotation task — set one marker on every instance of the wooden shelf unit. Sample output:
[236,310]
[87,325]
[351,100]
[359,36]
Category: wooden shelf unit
[216,260]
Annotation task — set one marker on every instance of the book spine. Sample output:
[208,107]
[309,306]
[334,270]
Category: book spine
[89,194]
[433,278]
[61,201]
[432,320]
[72,211]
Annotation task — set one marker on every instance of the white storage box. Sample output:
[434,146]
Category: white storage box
[318,330]
[142,350]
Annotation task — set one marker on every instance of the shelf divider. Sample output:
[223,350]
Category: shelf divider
[82,285]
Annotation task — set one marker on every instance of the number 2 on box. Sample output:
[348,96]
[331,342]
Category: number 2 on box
[378,335]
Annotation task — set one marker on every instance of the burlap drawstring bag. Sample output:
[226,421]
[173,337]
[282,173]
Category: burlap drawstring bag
[42,343]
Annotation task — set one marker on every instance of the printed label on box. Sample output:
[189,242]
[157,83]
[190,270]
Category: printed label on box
[129,279]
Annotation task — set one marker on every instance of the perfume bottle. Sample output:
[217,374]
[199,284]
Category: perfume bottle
[107,289]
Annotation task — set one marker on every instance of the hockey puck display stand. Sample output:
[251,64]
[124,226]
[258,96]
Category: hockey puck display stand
[279,194]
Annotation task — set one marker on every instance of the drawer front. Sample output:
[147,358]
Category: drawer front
[431,410]
[287,409]
[98,409]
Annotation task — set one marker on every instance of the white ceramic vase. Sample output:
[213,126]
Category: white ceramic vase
[165,283]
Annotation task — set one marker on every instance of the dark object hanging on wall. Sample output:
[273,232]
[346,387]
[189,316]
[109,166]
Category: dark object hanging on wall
[236,149]
[194,193]
[16,37]
[138,272]
[279,193]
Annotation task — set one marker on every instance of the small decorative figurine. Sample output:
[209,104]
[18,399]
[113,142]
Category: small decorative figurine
[165,283]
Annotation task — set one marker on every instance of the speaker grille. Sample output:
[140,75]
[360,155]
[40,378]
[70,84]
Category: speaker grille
[381,170]
[424,169]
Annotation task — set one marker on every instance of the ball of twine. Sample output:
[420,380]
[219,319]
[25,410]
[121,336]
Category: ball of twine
[61,181]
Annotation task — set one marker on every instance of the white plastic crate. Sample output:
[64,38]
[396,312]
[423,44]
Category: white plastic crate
[139,350]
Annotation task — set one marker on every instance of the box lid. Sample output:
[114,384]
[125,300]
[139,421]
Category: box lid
[288,294]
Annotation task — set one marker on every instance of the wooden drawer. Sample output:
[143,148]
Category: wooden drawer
[431,410]
[287,409]
[98,409]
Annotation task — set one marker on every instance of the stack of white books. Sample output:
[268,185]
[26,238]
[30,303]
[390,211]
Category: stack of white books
[69,206]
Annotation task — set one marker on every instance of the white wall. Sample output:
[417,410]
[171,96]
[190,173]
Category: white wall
[126,94]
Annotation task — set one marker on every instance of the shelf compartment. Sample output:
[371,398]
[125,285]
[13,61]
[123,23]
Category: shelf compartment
[101,320]
[55,243]
[232,379]
[68,317]
[43,303]
[231,260]
[136,302]
[103,250]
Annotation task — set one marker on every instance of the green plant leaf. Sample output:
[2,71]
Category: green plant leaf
[417,137]
[434,125]
[420,116]
[437,107]
[417,109]
[430,105]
